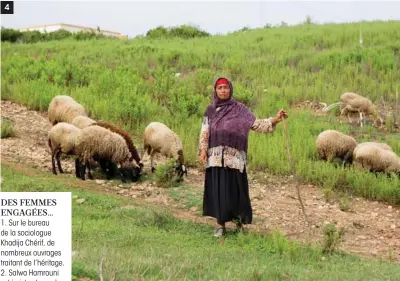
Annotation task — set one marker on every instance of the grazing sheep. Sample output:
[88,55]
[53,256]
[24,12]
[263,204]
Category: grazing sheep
[61,139]
[376,159]
[351,102]
[64,109]
[129,143]
[333,144]
[82,121]
[126,136]
[158,138]
[101,144]
[379,144]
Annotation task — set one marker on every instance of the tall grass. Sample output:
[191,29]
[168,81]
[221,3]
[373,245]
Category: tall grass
[133,83]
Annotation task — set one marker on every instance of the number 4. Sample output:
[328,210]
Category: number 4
[7,7]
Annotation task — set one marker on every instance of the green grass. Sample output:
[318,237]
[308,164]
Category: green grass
[187,196]
[132,83]
[7,129]
[147,243]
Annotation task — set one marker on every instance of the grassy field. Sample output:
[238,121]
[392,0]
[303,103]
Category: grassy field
[132,83]
[146,243]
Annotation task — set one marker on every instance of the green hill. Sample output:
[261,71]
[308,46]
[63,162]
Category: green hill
[132,83]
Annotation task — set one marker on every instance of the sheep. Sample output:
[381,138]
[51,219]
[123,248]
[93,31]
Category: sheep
[100,144]
[128,140]
[379,144]
[352,102]
[332,144]
[64,109]
[82,121]
[158,138]
[375,158]
[61,139]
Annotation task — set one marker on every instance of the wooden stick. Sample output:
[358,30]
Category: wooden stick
[291,162]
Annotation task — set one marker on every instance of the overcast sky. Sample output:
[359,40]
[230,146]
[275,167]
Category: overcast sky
[137,17]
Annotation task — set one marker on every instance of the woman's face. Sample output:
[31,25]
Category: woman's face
[223,91]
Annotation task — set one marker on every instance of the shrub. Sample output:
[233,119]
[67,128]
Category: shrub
[7,129]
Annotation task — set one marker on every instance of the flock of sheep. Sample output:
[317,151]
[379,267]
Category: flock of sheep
[74,133]
[370,156]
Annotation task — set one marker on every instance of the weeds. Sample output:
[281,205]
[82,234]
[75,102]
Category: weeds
[332,238]
[344,203]
[7,129]
[165,174]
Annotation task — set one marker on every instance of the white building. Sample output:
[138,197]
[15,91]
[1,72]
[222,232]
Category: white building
[73,29]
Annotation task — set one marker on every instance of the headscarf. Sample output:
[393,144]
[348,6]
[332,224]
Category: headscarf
[230,125]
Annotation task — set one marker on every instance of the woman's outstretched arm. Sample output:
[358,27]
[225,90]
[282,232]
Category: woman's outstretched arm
[268,125]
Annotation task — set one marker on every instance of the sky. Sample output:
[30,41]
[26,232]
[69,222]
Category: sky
[216,17]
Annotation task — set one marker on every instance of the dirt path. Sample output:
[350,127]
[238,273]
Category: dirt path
[372,228]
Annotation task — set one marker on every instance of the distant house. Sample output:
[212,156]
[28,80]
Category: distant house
[73,29]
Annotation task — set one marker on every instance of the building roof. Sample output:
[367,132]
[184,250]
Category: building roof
[72,25]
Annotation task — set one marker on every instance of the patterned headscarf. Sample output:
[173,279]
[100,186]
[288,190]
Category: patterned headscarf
[230,125]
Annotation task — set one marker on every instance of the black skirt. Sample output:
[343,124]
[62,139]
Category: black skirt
[226,195]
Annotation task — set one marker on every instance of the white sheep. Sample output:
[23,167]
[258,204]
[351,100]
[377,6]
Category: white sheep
[64,109]
[61,139]
[101,144]
[374,158]
[158,138]
[82,121]
[379,144]
[352,102]
[333,144]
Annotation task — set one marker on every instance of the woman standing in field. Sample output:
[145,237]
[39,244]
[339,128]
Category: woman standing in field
[223,147]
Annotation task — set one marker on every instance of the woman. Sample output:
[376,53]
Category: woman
[223,147]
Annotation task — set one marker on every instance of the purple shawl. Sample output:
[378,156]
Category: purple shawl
[230,125]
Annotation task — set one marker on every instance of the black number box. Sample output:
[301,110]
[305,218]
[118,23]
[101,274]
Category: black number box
[7,7]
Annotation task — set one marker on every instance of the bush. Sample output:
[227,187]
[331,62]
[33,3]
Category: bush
[183,31]
[7,130]
[187,32]
[165,175]
[84,35]
[58,35]
[32,36]
[10,35]
[158,32]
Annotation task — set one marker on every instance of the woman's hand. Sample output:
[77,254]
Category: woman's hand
[279,116]
[203,157]
[282,114]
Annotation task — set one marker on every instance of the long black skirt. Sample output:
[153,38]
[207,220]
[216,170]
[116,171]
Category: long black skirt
[226,195]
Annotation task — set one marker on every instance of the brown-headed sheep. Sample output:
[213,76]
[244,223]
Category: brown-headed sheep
[101,144]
